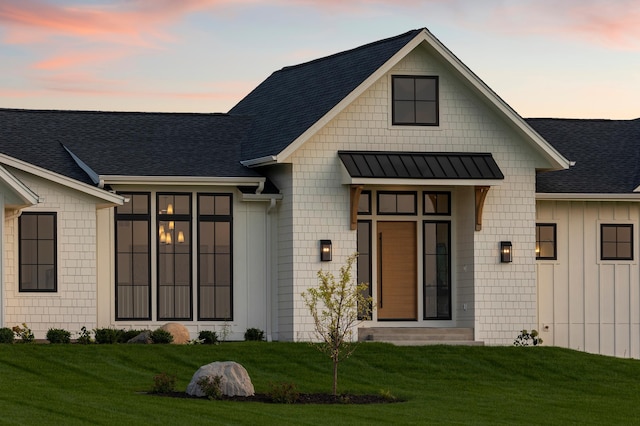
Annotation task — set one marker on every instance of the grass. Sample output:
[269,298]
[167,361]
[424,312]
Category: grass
[105,384]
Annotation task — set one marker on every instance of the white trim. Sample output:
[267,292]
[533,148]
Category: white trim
[587,197]
[260,197]
[60,179]
[556,160]
[262,161]
[22,191]
[181,180]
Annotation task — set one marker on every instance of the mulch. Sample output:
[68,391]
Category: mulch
[304,398]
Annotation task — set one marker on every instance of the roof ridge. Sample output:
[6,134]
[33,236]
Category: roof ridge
[349,51]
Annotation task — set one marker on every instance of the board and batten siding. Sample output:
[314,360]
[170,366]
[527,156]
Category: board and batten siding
[586,303]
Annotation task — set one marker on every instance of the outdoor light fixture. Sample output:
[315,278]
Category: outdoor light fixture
[325,250]
[505,252]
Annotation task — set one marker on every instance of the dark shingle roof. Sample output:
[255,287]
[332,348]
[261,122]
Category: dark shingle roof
[291,100]
[420,165]
[606,155]
[127,143]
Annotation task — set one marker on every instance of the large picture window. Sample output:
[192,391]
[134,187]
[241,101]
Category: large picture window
[415,100]
[546,241]
[215,263]
[616,242]
[174,256]
[38,255]
[133,267]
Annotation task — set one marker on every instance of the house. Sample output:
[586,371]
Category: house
[466,217]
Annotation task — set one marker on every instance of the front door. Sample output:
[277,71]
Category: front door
[397,271]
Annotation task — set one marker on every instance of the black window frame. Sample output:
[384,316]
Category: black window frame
[21,240]
[539,240]
[616,242]
[362,266]
[139,217]
[176,217]
[368,211]
[396,213]
[447,212]
[435,101]
[215,218]
[448,315]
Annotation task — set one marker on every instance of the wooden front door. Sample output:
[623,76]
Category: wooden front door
[397,271]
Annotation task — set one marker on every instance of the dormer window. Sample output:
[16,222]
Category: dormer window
[415,100]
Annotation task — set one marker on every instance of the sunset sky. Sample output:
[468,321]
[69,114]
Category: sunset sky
[545,58]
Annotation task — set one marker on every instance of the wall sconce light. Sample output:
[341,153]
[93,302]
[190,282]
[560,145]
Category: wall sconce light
[505,252]
[325,250]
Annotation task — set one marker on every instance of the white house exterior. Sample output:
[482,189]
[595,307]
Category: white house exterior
[216,220]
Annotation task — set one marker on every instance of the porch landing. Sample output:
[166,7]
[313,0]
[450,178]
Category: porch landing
[418,336]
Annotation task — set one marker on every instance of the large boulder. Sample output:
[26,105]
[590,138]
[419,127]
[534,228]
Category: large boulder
[178,331]
[235,379]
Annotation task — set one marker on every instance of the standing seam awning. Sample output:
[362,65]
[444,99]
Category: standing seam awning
[420,165]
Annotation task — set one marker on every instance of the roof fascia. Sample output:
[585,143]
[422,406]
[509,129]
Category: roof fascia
[556,160]
[182,180]
[61,180]
[28,197]
[586,197]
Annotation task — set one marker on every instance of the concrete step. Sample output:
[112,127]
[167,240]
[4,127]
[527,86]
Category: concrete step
[411,336]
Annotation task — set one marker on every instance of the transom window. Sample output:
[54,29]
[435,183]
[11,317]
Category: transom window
[437,203]
[38,259]
[616,242]
[546,241]
[400,203]
[415,100]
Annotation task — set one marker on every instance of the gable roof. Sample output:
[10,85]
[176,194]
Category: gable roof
[606,155]
[295,102]
[294,98]
[126,143]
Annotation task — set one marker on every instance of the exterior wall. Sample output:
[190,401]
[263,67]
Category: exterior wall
[500,298]
[74,304]
[586,303]
[251,256]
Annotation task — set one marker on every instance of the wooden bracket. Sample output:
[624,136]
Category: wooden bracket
[481,194]
[355,191]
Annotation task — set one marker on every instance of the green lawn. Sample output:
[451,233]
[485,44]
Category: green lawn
[105,384]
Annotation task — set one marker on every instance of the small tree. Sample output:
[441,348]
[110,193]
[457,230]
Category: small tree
[337,308]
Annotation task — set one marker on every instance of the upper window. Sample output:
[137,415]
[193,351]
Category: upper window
[546,241]
[616,242]
[364,203]
[415,100]
[37,239]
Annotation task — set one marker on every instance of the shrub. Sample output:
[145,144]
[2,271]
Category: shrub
[108,335]
[129,334]
[525,338]
[208,337]
[23,333]
[254,334]
[161,336]
[283,393]
[84,336]
[211,386]
[58,335]
[163,383]
[6,335]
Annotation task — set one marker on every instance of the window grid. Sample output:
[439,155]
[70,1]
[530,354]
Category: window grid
[37,240]
[616,242]
[133,251]
[546,242]
[415,100]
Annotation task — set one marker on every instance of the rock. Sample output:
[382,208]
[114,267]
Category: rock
[178,331]
[235,379]
[144,337]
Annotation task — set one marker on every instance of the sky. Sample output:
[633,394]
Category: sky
[545,58]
